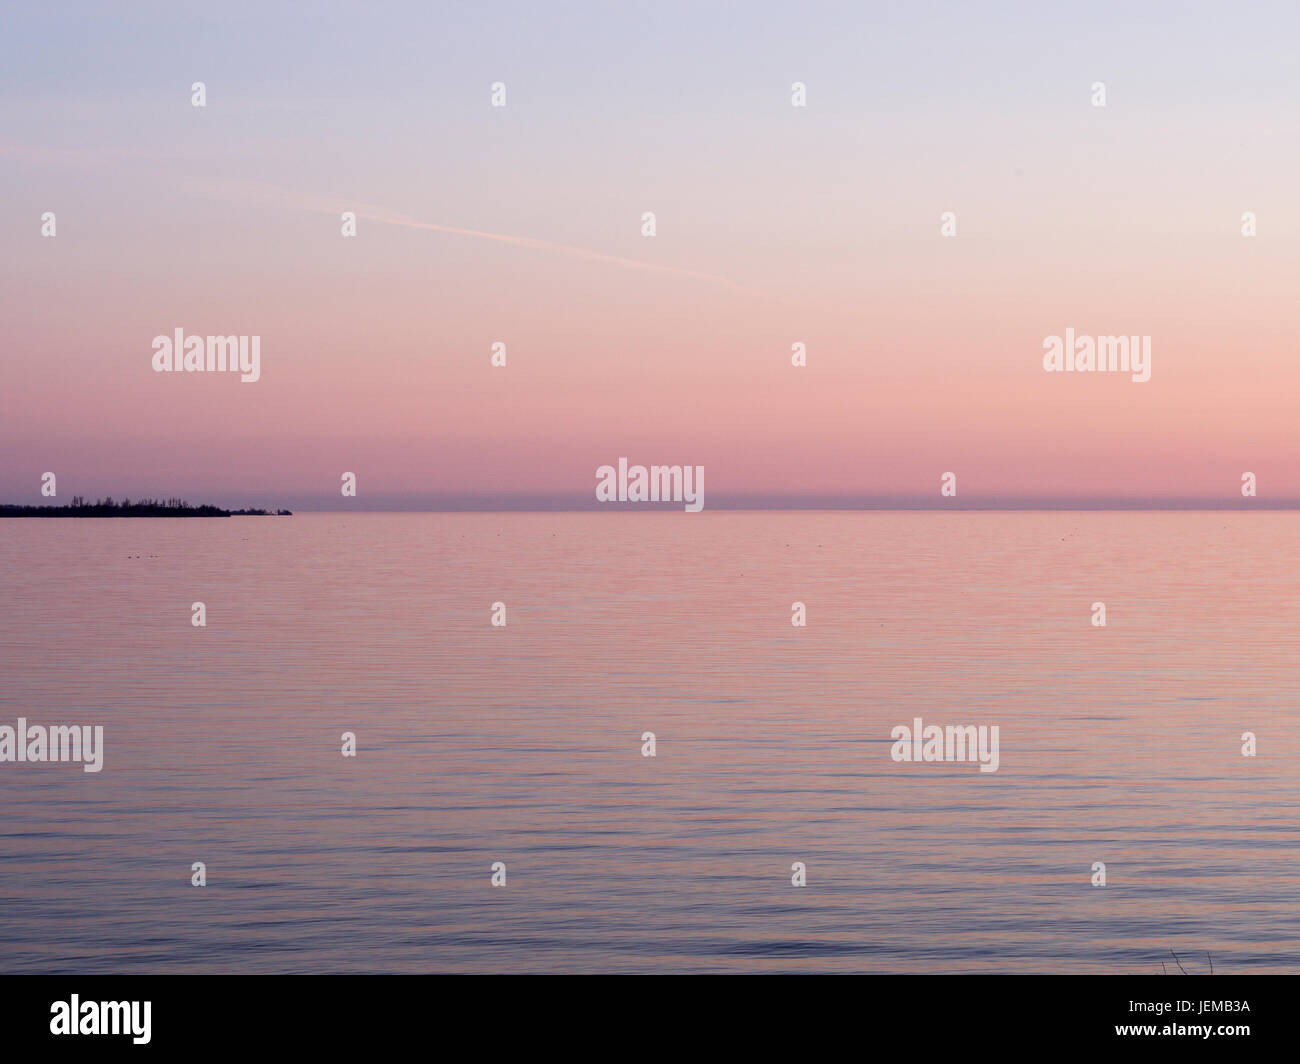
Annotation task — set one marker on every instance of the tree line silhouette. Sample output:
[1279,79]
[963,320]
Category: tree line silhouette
[110,507]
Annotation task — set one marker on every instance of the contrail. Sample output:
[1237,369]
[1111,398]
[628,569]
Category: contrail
[372,213]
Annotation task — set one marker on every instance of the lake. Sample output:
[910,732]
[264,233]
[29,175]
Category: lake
[522,743]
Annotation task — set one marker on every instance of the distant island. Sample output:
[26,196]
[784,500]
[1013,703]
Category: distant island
[109,507]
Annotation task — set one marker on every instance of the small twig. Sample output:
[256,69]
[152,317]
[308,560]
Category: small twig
[1211,960]
[1163,969]
[1178,962]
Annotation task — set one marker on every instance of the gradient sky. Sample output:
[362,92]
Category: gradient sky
[775,225]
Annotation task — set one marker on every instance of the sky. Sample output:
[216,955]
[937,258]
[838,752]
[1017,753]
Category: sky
[774,225]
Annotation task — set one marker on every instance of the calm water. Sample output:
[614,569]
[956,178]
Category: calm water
[522,744]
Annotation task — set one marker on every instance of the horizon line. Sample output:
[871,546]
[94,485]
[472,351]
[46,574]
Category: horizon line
[536,503]
[747,505]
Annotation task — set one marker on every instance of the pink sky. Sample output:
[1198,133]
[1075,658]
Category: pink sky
[775,225]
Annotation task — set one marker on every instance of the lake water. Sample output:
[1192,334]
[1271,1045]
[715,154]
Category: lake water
[522,743]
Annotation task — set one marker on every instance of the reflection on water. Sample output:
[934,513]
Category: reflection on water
[523,744]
